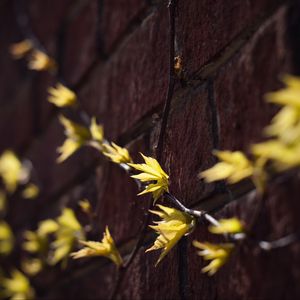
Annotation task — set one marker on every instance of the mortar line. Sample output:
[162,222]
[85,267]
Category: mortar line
[205,72]
[159,147]
[230,50]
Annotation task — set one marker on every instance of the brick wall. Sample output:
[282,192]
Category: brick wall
[116,56]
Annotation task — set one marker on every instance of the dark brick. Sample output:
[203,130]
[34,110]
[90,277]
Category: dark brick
[53,177]
[145,281]
[43,110]
[142,280]
[241,84]
[204,28]
[115,19]
[126,90]
[113,196]
[82,284]
[133,81]
[118,206]
[188,143]
[16,126]
[80,38]
[11,72]
[268,219]
[46,18]
[112,193]
[15,73]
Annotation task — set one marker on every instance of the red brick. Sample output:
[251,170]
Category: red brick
[115,18]
[268,219]
[240,85]
[14,73]
[113,196]
[133,81]
[46,18]
[54,180]
[188,143]
[142,280]
[43,110]
[80,42]
[119,207]
[16,126]
[124,91]
[204,28]
[80,284]
[43,155]
[112,193]
[145,281]
[11,72]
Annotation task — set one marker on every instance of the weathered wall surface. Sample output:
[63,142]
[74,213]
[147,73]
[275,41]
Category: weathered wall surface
[115,55]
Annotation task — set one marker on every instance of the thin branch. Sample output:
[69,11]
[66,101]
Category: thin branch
[211,219]
[171,84]
[175,201]
[282,242]
[159,147]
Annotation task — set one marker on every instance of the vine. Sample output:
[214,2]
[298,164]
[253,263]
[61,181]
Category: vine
[55,240]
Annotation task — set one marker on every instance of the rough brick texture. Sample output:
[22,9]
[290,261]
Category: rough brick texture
[115,54]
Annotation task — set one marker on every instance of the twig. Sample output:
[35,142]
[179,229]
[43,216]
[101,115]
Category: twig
[171,84]
[159,147]
[282,242]
[174,200]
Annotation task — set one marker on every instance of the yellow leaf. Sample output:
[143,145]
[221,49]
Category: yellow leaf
[21,49]
[152,171]
[283,156]
[76,136]
[61,96]
[68,148]
[69,231]
[85,206]
[6,238]
[17,287]
[234,167]
[291,81]
[32,266]
[96,130]
[40,61]
[285,123]
[290,95]
[217,253]
[10,170]
[232,225]
[73,130]
[173,226]
[46,227]
[106,248]
[116,153]
[68,219]
[31,191]
[33,242]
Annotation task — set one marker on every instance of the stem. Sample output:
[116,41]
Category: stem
[282,242]
[211,220]
[159,148]
[171,80]
[238,236]
[196,213]
[125,167]
[95,145]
